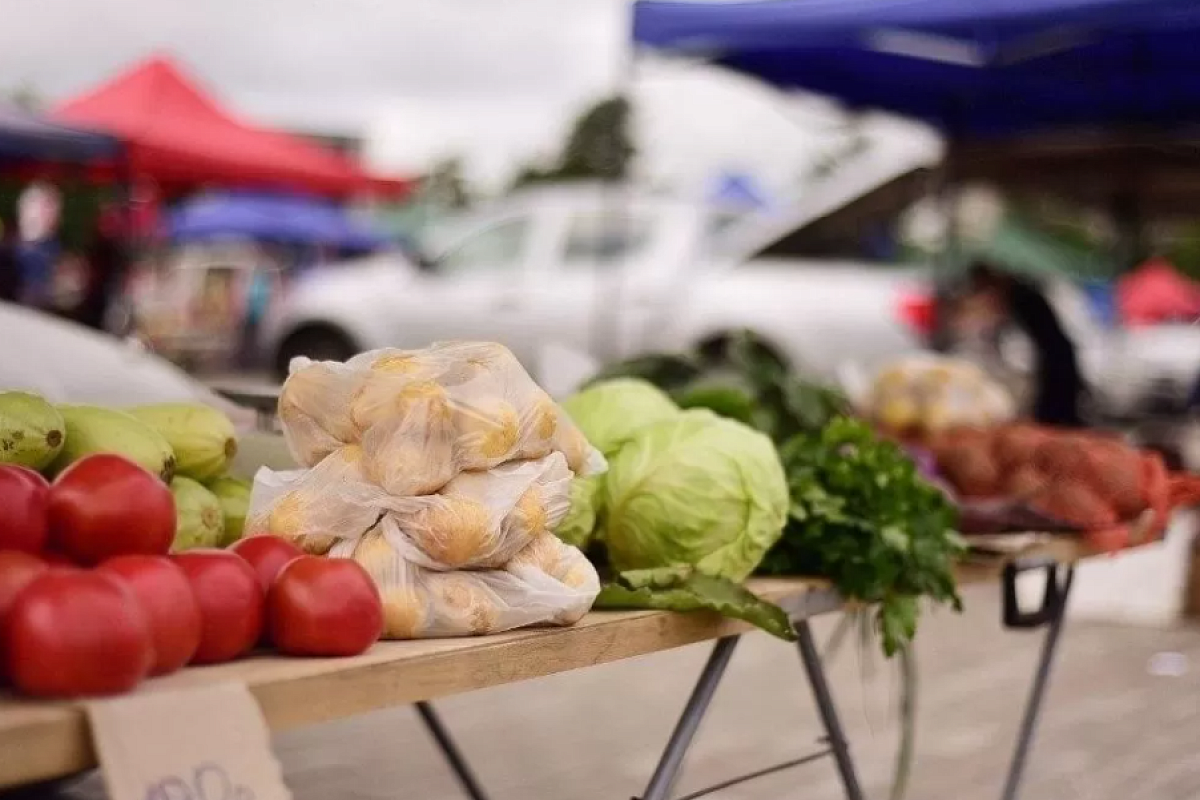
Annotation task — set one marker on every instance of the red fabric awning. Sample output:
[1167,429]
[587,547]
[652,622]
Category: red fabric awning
[181,138]
[1155,292]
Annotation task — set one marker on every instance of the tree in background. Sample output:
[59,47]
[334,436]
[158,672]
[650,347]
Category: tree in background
[26,97]
[599,147]
[446,186]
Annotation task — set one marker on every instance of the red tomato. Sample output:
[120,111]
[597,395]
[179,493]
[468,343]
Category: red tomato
[231,603]
[267,555]
[76,633]
[17,570]
[324,607]
[24,496]
[171,608]
[105,505]
[54,559]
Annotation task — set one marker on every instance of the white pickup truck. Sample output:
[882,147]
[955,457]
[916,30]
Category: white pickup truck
[611,274]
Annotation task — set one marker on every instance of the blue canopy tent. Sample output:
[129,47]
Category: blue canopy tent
[977,69]
[1096,101]
[289,219]
[27,137]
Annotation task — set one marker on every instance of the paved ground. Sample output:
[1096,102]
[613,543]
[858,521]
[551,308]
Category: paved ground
[1111,730]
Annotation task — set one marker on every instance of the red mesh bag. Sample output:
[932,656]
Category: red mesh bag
[1114,495]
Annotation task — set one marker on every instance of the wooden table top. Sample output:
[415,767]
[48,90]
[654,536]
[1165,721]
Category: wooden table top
[43,740]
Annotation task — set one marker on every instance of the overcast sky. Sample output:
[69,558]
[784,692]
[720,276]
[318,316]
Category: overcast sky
[496,81]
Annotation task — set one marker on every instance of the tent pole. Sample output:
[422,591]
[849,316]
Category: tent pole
[947,197]
[125,200]
[1127,214]
[944,193]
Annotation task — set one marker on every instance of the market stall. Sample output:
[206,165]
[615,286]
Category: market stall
[1041,97]
[440,500]
[180,137]
[1037,95]
[26,137]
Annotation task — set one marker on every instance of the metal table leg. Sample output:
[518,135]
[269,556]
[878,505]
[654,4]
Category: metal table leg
[457,763]
[828,711]
[667,770]
[1052,614]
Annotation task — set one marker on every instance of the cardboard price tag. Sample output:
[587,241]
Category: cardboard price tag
[206,743]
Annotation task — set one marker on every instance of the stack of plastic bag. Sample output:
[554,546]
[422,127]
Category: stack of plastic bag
[931,394]
[442,472]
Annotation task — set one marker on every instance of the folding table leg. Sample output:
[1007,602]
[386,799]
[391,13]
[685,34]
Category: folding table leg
[1058,589]
[457,763]
[828,711]
[667,770]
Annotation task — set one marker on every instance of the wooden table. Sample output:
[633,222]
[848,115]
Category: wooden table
[42,741]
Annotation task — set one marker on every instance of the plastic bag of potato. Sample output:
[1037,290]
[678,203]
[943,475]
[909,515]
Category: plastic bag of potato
[480,519]
[547,582]
[931,394]
[314,508]
[442,472]
[423,416]
[477,520]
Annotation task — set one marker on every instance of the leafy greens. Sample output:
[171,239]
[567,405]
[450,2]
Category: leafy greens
[860,513]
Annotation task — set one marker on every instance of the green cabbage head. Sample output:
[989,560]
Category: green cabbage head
[610,412]
[694,489]
[580,522]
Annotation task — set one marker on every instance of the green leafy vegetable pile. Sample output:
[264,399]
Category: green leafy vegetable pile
[860,514]
[863,517]
[690,504]
[684,588]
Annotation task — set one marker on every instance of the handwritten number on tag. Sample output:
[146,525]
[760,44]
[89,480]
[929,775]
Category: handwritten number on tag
[170,789]
[209,782]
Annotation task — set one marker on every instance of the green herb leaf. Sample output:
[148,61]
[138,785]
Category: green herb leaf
[685,589]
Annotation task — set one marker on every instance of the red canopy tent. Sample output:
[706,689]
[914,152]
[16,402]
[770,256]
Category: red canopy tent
[181,138]
[1155,292]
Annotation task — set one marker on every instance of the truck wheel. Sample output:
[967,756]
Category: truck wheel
[318,342]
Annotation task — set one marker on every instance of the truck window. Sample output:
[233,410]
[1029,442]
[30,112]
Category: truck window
[602,239]
[498,247]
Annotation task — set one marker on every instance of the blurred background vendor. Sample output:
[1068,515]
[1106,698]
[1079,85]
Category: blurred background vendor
[992,300]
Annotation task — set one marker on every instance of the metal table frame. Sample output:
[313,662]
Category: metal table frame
[1050,614]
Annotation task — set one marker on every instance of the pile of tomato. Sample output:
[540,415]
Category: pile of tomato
[92,602]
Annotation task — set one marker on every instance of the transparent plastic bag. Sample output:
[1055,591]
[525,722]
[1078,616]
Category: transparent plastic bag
[315,508]
[420,603]
[933,394]
[424,416]
[546,554]
[314,409]
[480,519]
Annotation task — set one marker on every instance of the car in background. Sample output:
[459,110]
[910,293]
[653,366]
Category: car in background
[612,273]
[68,363]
